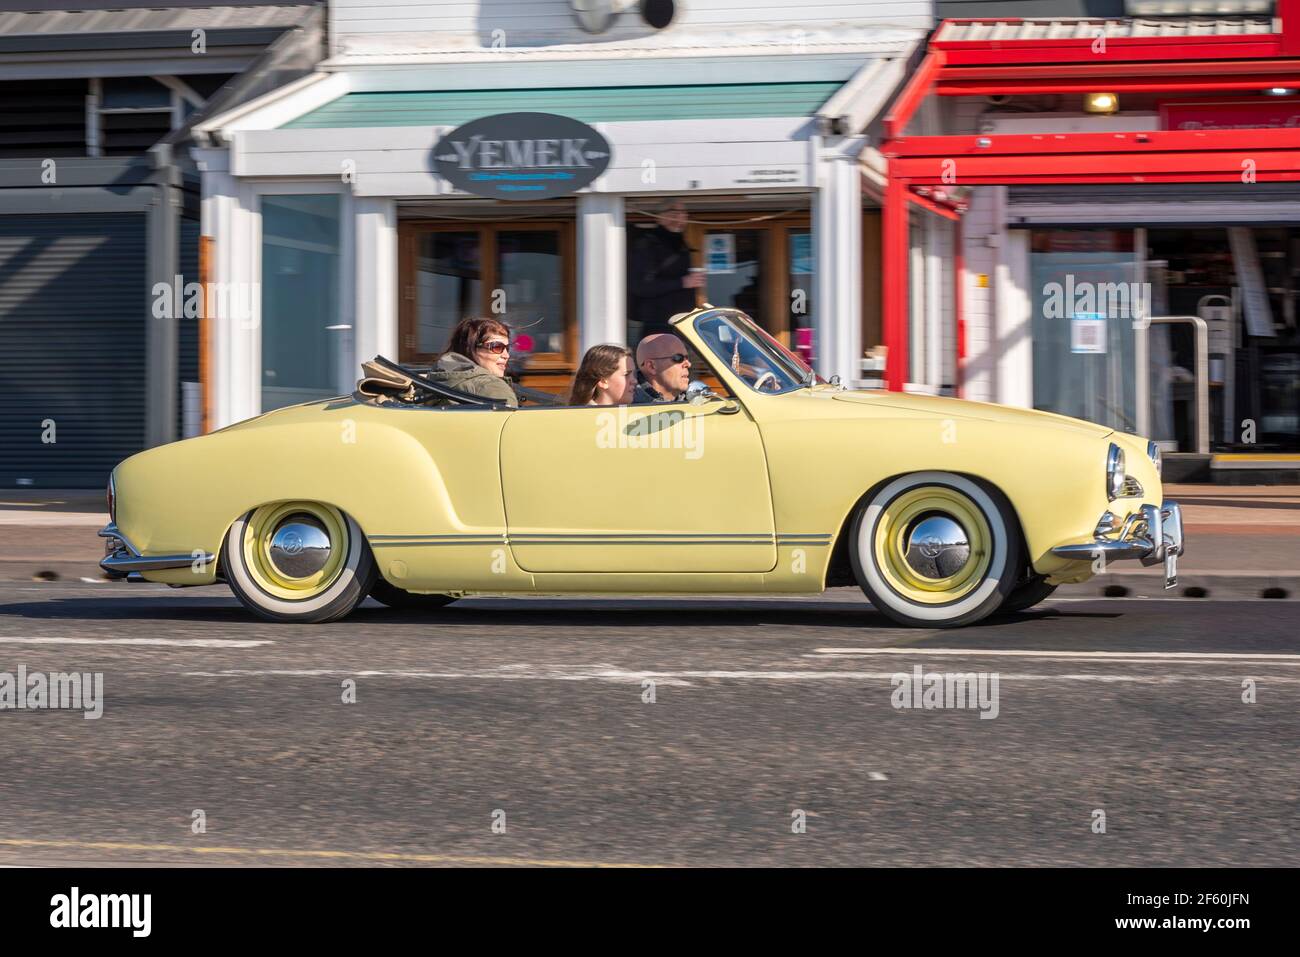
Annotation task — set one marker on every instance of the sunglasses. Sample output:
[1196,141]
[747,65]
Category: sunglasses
[673,359]
[496,347]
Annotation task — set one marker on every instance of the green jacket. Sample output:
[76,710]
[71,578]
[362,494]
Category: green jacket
[457,372]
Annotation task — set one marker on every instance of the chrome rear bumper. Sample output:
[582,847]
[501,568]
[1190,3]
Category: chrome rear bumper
[123,560]
[1153,535]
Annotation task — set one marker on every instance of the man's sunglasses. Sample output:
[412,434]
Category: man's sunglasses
[496,347]
[673,359]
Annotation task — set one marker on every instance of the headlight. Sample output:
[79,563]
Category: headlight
[1157,459]
[110,495]
[1114,472]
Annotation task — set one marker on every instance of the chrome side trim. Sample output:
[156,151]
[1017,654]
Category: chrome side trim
[126,558]
[119,562]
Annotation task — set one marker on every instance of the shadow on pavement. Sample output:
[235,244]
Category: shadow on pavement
[566,612]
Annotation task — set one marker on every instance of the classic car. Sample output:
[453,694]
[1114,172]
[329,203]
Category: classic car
[763,478]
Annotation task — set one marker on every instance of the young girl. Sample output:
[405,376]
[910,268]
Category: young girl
[606,376]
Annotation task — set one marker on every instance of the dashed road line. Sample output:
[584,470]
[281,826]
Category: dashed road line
[143,642]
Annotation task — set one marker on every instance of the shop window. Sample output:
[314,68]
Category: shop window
[449,282]
[523,274]
[1243,281]
[530,270]
[761,263]
[303,342]
[733,270]
[801,279]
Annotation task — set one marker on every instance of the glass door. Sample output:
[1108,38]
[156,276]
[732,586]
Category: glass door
[1086,294]
[303,340]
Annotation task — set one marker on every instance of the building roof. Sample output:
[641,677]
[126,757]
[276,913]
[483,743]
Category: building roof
[31,27]
[1064,28]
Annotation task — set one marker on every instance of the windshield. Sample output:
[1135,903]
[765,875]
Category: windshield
[760,360]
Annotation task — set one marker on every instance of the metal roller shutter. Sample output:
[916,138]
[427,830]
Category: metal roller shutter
[187,330]
[74,300]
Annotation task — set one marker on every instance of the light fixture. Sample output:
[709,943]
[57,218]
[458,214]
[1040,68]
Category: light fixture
[596,16]
[1280,91]
[1100,103]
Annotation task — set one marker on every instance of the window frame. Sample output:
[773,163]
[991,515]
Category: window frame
[542,364]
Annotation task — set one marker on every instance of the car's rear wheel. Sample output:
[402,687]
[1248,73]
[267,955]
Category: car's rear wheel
[389,594]
[298,562]
[1028,594]
[936,550]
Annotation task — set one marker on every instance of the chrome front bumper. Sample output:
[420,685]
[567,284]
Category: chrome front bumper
[123,560]
[1151,534]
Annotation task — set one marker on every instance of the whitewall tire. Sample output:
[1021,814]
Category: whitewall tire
[936,549]
[298,562]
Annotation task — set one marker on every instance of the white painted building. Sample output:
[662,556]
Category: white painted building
[322,197]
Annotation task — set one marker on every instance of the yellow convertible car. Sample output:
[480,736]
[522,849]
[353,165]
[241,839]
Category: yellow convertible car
[767,479]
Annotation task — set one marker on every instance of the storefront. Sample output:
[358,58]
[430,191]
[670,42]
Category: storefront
[349,207]
[1210,286]
[1130,248]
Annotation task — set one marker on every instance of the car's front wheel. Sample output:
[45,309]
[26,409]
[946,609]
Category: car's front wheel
[936,549]
[298,562]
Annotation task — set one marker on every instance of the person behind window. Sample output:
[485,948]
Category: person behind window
[659,278]
[606,376]
[475,360]
[665,367]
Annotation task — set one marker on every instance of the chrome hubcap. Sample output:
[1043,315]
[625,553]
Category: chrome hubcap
[937,547]
[300,547]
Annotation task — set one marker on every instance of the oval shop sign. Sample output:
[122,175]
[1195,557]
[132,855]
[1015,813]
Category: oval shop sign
[521,156]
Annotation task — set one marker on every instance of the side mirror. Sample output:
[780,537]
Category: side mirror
[698,391]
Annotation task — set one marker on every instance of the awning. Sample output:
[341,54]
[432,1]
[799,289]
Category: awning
[587,104]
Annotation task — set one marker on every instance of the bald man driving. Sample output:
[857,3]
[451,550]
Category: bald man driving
[664,366]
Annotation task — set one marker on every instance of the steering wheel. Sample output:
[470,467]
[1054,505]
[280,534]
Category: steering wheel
[767,377]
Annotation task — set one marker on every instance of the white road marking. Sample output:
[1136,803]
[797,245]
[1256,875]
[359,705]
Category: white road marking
[506,672]
[172,642]
[683,678]
[1166,657]
[9,516]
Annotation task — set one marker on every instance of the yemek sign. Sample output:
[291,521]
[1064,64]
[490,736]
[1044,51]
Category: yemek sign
[521,156]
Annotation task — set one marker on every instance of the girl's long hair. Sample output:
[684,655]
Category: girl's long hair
[600,362]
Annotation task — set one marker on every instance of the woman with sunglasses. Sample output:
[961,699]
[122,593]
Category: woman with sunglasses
[475,360]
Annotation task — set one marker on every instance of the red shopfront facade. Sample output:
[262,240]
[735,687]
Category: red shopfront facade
[1226,102]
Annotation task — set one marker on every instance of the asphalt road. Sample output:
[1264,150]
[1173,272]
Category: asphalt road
[535,708]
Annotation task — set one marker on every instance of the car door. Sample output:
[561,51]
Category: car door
[650,488]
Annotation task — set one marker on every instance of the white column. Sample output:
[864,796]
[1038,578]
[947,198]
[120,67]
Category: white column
[837,232]
[375,250]
[1013,318]
[602,270]
[234,295]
